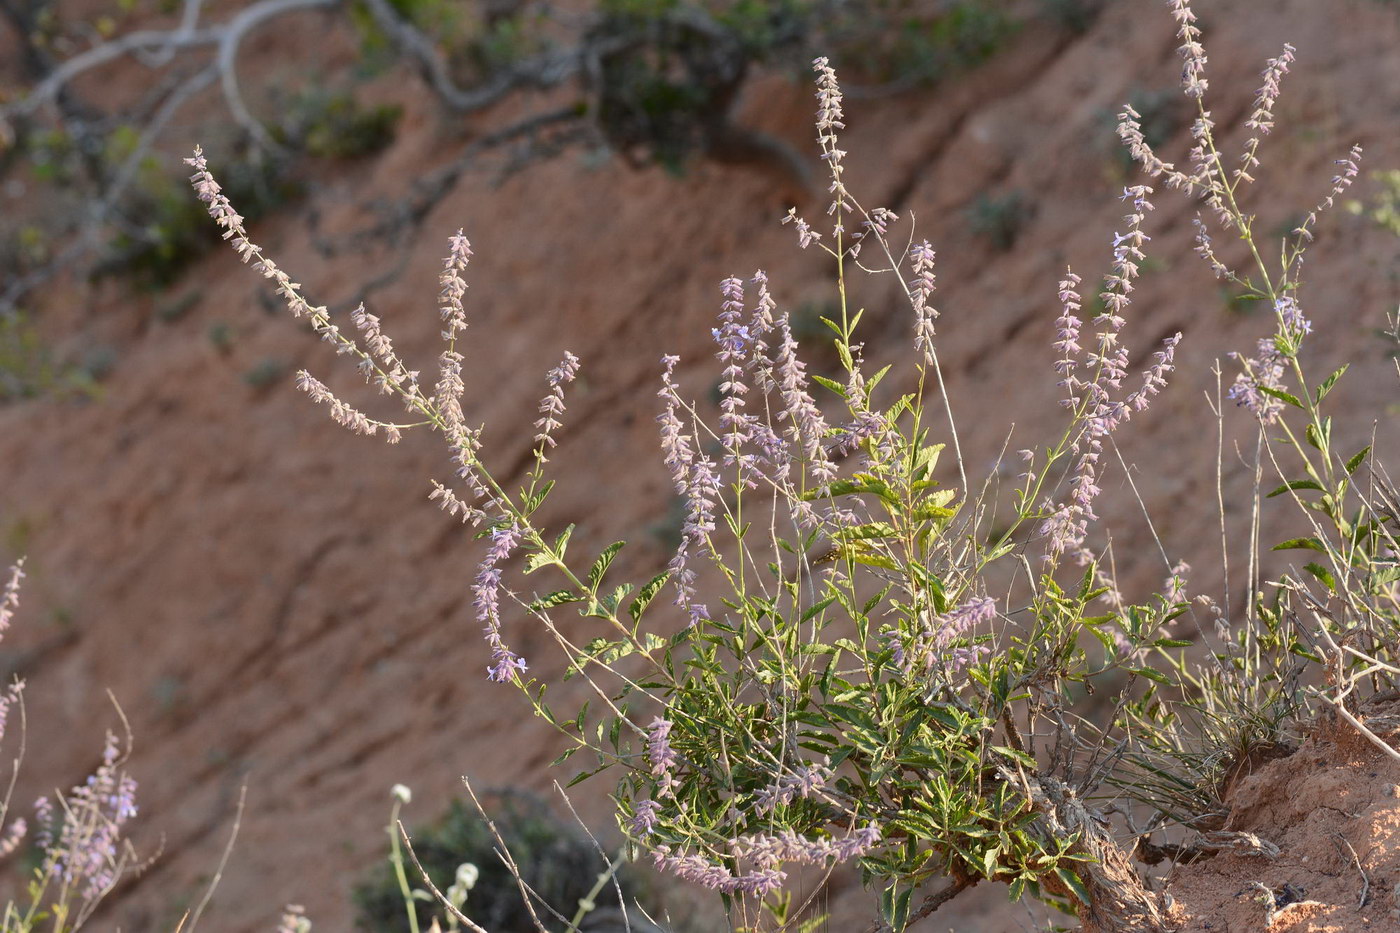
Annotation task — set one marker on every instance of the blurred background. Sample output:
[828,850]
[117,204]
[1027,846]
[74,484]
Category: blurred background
[274,601]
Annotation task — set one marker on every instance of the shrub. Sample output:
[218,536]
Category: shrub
[840,682]
[999,219]
[557,863]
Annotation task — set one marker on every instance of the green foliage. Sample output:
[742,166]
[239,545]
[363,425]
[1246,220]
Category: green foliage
[28,368]
[999,219]
[332,124]
[265,372]
[1384,207]
[902,43]
[172,231]
[1074,15]
[558,863]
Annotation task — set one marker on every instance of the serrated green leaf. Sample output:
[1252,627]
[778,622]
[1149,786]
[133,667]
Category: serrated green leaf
[557,598]
[831,384]
[600,566]
[646,595]
[1071,881]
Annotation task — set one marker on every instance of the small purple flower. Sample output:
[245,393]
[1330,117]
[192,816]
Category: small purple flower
[552,406]
[920,291]
[644,818]
[505,665]
[659,752]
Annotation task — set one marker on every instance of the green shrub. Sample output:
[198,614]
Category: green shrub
[555,860]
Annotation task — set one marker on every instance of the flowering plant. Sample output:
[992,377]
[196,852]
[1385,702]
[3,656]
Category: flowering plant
[870,660]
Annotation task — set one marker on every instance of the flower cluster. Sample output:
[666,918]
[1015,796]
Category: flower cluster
[804,781]
[552,406]
[506,665]
[1066,524]
[87,853]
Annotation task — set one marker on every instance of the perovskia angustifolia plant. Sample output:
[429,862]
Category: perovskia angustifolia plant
[855,691]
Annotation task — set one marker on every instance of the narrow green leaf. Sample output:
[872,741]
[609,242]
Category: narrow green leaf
[1311,544]
[1357,459]
[1281,396]
[1329,382]
[1294,484]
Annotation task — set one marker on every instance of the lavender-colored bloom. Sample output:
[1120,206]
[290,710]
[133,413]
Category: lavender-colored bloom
[1206,251]
[1193,54]
[1154,378]
[1264,371]
[787,845]
[86,853]
[806,236]
[342,414]
[930,644]
[1067,330]
[644,818]
[804,781]
[453,286]
[733,337]
[1291,317]
[506,665]
[761,324]
[44,820]
[806,426]
[920,290]
[1261,120]
[552,406]
[829,120]
[659,752]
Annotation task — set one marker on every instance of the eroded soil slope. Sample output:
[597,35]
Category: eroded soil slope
[1333,810]
[275,601]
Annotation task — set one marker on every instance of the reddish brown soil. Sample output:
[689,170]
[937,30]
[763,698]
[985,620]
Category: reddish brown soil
[274,601]
[1333,809]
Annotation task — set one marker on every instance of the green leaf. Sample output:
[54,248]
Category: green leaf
[1311,544]
[1323,574]
[535,501]
[557,598]
[1318,440]
[831,384]
[1357,459]
[1281,396]
[1329,382]
[1153,675]
[600,566]
[1071,881]
[894,907]
[561,544]
[1294,484]
[646,595]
